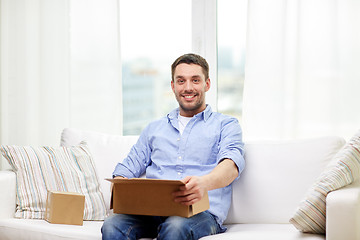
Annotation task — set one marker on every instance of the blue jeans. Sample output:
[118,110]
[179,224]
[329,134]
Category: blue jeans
[132,227]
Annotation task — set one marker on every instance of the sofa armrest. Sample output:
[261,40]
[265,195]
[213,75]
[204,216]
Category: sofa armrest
[8,194]
[343,213]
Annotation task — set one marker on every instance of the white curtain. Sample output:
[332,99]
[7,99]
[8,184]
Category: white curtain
[60,67]
[302,75]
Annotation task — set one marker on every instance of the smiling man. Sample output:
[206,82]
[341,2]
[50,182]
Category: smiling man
[192,143]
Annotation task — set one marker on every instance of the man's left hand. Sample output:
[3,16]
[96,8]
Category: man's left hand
[192,192]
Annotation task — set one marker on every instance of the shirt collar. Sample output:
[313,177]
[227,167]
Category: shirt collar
[203,115]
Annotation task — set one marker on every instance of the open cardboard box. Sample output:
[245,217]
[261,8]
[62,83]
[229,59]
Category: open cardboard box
[142,196]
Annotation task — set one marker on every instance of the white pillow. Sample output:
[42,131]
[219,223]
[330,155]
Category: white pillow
[41,169]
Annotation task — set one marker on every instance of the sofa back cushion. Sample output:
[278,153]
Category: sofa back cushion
[107,150]
[277,176]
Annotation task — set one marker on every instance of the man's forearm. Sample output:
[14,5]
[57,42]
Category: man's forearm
[222,175]
[195,187]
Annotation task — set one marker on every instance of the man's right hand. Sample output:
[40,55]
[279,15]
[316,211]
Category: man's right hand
[117,177]
[120,177]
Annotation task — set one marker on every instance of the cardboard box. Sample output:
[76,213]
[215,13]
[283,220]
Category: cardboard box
[141,196]
[65,208]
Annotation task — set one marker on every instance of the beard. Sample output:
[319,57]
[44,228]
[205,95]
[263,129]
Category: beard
[193,107]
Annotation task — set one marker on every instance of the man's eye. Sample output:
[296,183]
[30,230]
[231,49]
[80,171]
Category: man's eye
[196,80]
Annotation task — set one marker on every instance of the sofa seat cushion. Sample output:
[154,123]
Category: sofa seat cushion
[263,232]
[38,229]
[22,229]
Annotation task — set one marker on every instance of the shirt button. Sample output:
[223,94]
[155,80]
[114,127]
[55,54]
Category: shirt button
[180,157]
[179,173]
[178,139]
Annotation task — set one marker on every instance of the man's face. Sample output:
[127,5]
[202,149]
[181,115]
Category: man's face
[189,87]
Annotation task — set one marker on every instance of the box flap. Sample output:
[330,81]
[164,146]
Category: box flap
[201,205]
[112,194]
[145,181]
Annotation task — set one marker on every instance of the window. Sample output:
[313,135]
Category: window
[153,34]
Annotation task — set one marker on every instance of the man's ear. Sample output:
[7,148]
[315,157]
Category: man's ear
[173,86]
[207,84]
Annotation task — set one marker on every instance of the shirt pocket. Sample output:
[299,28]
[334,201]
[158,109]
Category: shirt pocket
[203,148]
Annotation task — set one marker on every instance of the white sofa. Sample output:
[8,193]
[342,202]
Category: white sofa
[275,180]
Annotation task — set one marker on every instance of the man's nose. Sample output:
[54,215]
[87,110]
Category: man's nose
[188,86]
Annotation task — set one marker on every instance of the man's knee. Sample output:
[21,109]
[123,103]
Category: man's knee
[175,228]
[122,226]
[119,226]
[110,228]
[194,227]
[176,223]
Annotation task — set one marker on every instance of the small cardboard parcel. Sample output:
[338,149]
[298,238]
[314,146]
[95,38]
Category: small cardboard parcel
[142,196]
[65,208]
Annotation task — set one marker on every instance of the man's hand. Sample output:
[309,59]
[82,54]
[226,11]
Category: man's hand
[195,187]
[117,177]
[120,177]
[193,191]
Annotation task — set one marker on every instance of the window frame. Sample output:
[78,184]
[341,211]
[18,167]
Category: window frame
[204,41]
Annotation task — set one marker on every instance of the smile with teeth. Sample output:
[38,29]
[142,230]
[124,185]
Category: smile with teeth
[189,96]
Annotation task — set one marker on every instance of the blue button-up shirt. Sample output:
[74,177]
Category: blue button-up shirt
[163,153]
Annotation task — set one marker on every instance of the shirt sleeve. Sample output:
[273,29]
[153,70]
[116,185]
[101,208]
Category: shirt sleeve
[231,145]
[134,165]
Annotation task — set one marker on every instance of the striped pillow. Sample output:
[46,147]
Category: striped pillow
[343,169]
[41,169]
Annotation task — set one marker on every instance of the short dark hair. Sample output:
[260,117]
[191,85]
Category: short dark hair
[191,58]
